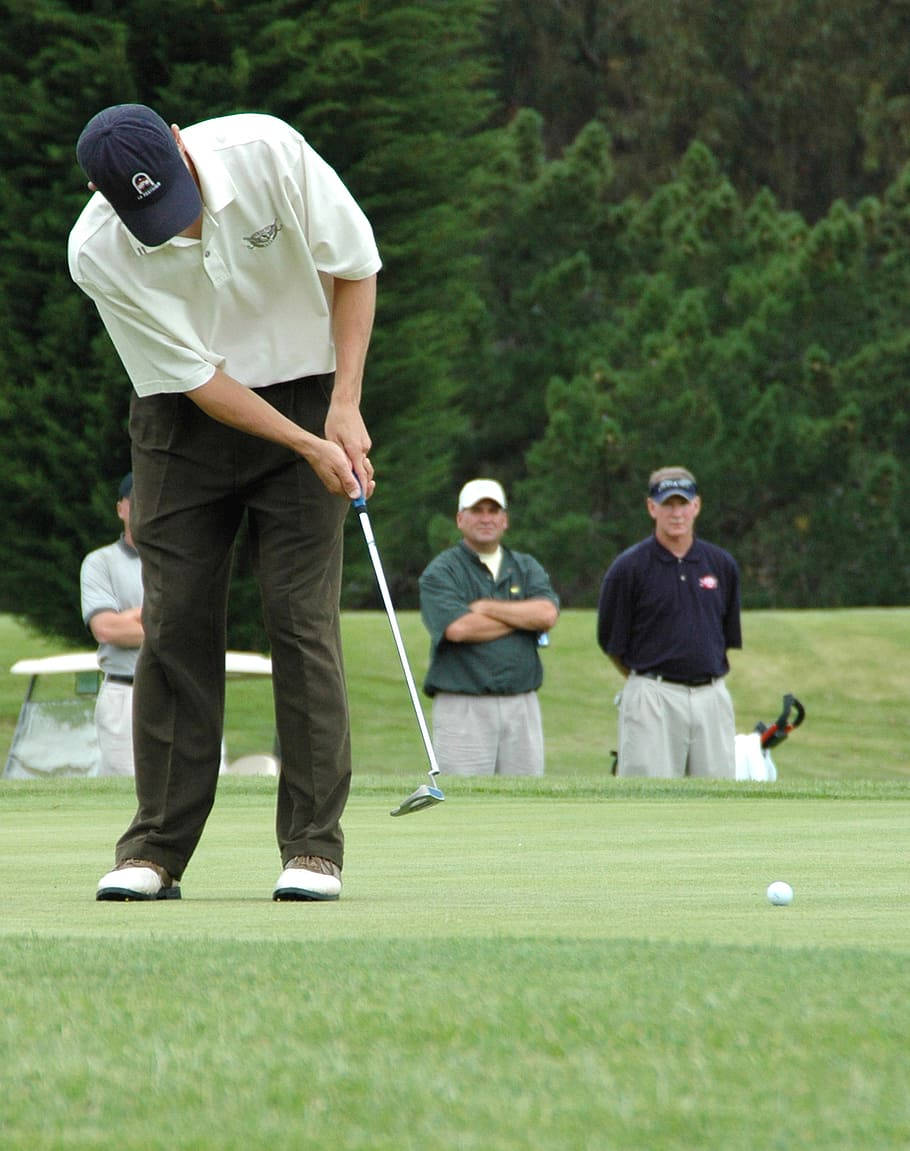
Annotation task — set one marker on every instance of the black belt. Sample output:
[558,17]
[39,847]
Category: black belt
[701,681]
[118,679]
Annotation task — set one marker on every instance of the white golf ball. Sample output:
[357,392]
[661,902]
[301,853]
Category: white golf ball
[780,893]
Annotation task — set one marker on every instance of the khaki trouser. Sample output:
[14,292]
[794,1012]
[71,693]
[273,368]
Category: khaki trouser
[114,727]
[194,479]
[488,734]
[667,729]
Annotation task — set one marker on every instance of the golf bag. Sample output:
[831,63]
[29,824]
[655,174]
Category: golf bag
[753,751]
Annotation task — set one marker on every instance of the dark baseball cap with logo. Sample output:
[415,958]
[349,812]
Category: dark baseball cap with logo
[129,153]
[673,486]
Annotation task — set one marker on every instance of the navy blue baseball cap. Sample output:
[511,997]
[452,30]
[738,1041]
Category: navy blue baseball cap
[126,487]
[676,486]
[130,155]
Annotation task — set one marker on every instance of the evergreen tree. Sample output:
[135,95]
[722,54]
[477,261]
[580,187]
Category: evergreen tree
[597,287]
[393,94]
[808,99]
[744,345]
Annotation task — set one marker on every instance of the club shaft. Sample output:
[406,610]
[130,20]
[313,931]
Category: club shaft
[399,643]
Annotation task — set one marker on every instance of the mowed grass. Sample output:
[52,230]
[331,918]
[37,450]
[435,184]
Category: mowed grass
[849,668]
[573,963]
[580,969]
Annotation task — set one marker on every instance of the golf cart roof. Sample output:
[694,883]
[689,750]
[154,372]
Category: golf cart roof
[236,663]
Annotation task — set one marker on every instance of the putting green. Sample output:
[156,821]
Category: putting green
[692,869]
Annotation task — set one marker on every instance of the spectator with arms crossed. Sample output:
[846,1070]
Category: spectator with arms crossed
[485,608]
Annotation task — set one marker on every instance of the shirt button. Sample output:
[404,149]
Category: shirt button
[206,253]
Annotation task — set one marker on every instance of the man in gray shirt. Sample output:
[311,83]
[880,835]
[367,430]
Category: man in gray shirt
[111,587]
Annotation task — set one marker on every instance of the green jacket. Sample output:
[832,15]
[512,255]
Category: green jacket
[506,666]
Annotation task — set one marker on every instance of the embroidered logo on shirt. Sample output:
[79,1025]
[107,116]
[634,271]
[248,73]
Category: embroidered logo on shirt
[708,581]
[264,236]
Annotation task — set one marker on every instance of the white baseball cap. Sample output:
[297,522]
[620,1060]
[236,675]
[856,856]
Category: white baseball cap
[476,490]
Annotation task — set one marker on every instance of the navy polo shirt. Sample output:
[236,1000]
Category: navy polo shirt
[672,616]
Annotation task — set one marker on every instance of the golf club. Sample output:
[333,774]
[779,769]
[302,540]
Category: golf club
[427,794]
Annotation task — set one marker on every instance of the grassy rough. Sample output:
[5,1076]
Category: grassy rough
[848,667]
[488,1045]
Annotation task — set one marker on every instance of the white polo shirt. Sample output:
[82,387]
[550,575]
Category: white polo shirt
[254,296]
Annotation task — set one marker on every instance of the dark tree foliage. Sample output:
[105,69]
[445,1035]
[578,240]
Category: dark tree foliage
[614,236]
[729,337]
[392,94]
[809,99]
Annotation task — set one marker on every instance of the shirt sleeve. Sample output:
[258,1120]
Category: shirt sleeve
[613,612]
[154,361]
[732,622]
[97,589]
[339,234]
[538,585]
[443,598]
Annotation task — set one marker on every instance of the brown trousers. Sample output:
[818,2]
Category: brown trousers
[194,480]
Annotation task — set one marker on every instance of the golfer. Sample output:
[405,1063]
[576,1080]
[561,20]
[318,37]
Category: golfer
[667,616]
[486,608]
[235,275]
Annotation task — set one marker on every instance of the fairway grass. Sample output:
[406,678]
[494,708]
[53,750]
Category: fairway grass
[575,964]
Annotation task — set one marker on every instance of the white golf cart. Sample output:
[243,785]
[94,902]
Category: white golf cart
[55,732]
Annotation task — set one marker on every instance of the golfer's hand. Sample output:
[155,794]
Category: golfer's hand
[344,426]
[333,468]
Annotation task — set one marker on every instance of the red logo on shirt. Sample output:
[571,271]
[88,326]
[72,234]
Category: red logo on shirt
[708,581]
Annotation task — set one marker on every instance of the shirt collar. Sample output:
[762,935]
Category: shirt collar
[218,188]
[475,556]
[666,556]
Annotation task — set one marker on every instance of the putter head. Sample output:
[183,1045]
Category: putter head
[425,796]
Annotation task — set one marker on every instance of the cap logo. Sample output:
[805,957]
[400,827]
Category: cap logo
[666,488]
[144,184]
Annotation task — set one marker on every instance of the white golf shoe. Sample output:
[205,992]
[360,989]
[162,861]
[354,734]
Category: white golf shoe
[137,879]
[308,877]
